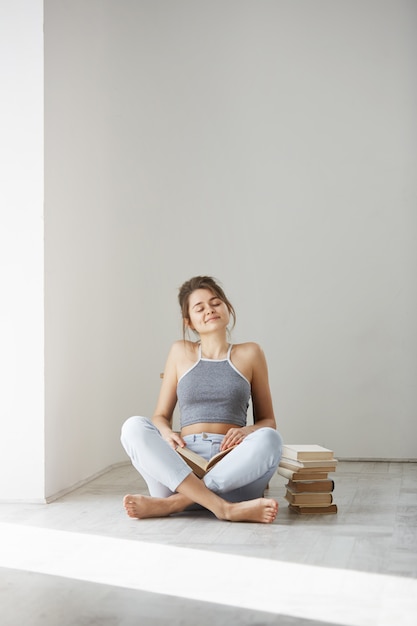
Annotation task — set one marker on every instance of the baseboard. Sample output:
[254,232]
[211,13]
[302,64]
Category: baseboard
[83,482]
[374,460]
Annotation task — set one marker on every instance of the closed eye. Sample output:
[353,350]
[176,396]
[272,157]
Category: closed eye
[198,308]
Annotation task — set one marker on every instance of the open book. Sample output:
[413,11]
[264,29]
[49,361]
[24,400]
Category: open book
[199,464]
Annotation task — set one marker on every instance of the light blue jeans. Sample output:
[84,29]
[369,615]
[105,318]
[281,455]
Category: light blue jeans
[243,474]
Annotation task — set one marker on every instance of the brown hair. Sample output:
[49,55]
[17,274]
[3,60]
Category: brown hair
[201,282]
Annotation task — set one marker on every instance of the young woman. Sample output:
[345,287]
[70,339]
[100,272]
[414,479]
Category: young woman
[213,382]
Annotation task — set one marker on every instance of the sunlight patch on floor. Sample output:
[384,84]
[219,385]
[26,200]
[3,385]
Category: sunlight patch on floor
[344,597]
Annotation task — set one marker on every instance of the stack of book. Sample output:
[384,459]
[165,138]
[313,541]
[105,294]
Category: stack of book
[309,489]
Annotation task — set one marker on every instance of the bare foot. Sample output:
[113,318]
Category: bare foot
[263,510]
[142,507]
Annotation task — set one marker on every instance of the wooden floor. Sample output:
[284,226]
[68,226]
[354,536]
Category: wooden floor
[81,561]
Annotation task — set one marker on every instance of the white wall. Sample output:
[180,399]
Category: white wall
[268,143]
[21,251]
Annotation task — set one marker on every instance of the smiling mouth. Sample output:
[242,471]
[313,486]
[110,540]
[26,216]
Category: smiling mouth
[212,319]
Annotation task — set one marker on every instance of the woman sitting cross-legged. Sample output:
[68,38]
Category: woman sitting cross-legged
[212,381]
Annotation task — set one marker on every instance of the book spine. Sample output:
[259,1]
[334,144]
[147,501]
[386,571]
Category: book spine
[309,499]
[301,476]
[318,466]
[312,510]
[313,486]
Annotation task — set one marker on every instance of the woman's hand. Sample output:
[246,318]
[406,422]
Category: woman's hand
[235,436]
[174,439]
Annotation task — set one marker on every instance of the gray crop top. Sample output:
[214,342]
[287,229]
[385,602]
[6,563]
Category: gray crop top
[213,391]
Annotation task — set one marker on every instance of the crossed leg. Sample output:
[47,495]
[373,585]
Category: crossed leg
[193,490]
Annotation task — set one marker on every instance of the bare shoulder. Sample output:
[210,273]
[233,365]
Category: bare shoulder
[181,356]
[183,349]
[248,358]
[249,350]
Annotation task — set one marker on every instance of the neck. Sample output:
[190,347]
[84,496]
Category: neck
[214,348]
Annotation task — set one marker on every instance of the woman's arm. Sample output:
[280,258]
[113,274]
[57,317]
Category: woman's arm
[263,410]
[252,360]
[167,400]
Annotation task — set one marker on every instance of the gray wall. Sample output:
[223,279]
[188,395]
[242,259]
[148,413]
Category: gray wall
[271,144]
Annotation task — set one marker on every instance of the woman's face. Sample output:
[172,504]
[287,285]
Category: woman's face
[207,312]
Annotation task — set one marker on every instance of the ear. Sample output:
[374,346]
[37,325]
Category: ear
[187,323]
